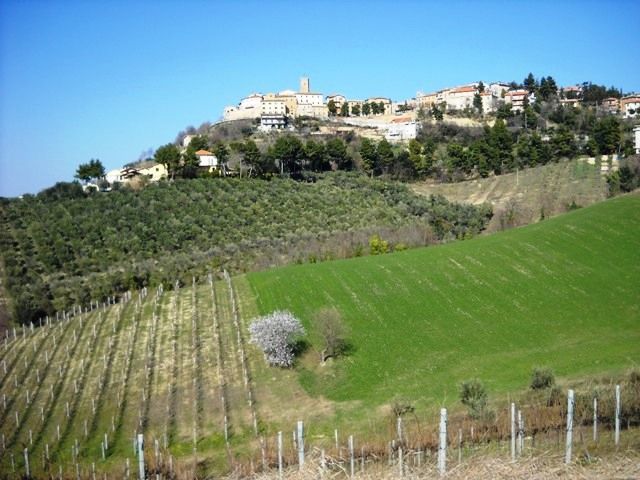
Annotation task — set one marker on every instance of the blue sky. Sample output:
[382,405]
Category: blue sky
[111,79]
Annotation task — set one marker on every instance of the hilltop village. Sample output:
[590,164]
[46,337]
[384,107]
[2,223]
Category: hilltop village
[557,122]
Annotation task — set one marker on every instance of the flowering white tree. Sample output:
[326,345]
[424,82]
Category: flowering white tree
[276,334]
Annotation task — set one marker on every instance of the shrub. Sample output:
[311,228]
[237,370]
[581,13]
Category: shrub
[377,245]
[542,378]
[473,394]
[276,334]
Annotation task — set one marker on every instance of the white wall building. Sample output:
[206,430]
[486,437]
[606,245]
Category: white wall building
[517,99]
[207,159]
[113,176]
[401,129]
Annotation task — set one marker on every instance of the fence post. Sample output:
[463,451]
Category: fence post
[519,443]
[26,462]
[300,439]
[141,456]
[595,419]
[351,458]
[617,438]
[442,450]
[567,458]
[513,431]
[280,455]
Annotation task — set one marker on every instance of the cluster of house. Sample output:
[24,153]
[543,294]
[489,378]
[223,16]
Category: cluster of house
[628,106]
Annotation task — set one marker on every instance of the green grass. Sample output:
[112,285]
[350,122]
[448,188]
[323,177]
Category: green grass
[564,293]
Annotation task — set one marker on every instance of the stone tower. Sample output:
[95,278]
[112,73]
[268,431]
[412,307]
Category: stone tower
[304,85]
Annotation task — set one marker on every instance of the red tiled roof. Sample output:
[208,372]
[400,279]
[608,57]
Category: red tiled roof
[464,89]
[203,152]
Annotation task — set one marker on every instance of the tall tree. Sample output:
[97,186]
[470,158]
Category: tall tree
[316,156]
[344,110]
[355,110]
[366,109]
[607,133]
[368,154]
[332,107]
[91,170]
[221,151]
[337,154]
[169,156]
[477,103]
[287,152]
[385,155]
[530,83]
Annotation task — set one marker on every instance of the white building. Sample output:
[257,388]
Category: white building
[272,122]
[499,89]
[207,159]
[113,176]
[401,129]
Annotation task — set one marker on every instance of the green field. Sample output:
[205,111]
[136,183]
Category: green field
[564,293]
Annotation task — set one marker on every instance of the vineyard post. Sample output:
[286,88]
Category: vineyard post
[513,431]
[399,428]
[300,439]
[26,462]
[362,459]
[442,449]
[335,434]
[323,463]
[280,455]
[400,462]
[141,455]
[567,458]
[521,427]
[595,419]
[519,440]
[93,471]
[351,457]
[459,445]
[617,437]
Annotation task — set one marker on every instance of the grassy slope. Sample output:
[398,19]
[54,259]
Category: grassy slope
[552,187]
[564,293]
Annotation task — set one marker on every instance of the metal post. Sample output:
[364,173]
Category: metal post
[442,450]
[569,444]
[300,441]
[141,456]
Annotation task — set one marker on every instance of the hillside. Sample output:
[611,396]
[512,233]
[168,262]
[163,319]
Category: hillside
[562,293]
[176,364]
[522,198]
[63,248]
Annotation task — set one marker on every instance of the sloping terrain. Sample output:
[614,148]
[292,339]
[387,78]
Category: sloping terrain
[564,292]
[526,196]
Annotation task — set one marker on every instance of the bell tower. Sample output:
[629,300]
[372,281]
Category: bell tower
[304,85]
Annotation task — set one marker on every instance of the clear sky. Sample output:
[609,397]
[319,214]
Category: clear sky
[111,79]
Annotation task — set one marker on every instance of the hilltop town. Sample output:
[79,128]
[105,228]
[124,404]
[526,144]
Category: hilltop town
[557,122]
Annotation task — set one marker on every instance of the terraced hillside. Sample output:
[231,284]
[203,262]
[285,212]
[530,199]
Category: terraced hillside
[175,363]
[522,198]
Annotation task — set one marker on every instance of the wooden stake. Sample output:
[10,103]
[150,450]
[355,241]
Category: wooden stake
[595,419]
[513,431]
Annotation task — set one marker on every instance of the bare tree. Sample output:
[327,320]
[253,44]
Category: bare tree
[331,331]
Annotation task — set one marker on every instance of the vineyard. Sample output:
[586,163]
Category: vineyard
[174,363]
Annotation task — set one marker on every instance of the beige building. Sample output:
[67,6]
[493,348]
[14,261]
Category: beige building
[611,105]
[630,106]
[273,106]
[426,100]
[518,98]
[386,102]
